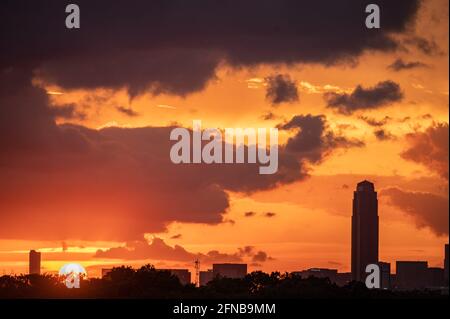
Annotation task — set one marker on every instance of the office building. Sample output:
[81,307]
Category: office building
[230,270]
[319,273]
[205,277]
[183,275]
[446,266]
[343,278]
[364,229]
[411,275]
[34,263]
[435,277]
[385,275]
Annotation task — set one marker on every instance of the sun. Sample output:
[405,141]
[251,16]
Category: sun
[72,268]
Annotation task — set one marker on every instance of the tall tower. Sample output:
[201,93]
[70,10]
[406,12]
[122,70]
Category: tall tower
[364,229]
[35,262]
[197,272]
[446,265]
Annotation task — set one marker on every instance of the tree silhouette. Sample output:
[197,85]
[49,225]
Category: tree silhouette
[148,282]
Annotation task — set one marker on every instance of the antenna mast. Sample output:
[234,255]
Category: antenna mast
[197,272]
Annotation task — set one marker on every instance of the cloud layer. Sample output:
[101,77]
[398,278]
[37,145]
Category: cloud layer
[69,181]
[154,46]
[158,249]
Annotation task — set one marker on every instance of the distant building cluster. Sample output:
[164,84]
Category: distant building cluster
[234,271]
[410,275]
[222,270]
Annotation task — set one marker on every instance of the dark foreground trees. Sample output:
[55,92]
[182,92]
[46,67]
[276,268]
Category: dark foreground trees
[148,282]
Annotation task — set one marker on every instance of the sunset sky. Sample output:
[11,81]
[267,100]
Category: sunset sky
[85,118]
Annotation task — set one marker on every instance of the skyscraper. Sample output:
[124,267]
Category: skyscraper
[35,262]
[446,265]
[364,229]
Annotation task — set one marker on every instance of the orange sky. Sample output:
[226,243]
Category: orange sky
[310,226]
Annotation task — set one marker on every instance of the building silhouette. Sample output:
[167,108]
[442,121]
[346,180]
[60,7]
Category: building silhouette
[385,275]
[446,265]
[106,271]
[34,263]
[183,275]
[230,270]
[364,229]
[318,273]
[205,277]
[411,275]
[435,277]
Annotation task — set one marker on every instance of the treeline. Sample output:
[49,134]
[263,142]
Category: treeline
[148,282]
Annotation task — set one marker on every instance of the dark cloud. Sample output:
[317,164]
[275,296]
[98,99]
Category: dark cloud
[428,47]
[260,256]
[120,178]
[153,46]
[155,72]
[383,93]
[400,65]
[374,122]
[281,89]
[229,221]
[383,135]
[270,116]
[67,112]
[427,209]
[313,139]
[246,251]
[159,250]
[430,148]
[177,236]
[127,111]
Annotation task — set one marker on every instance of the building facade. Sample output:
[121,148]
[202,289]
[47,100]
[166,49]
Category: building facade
[230,270]
[364,229]
[34,263]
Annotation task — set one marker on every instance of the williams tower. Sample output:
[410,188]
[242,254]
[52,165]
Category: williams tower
[364,229]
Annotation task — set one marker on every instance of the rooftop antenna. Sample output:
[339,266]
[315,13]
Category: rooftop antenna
[197,272]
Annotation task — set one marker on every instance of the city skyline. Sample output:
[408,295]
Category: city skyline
[409,274]
[86,116]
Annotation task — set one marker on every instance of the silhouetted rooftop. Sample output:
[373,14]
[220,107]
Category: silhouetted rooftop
[365,186]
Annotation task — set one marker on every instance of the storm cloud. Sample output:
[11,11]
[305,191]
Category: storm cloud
[154,46]
[120,178]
